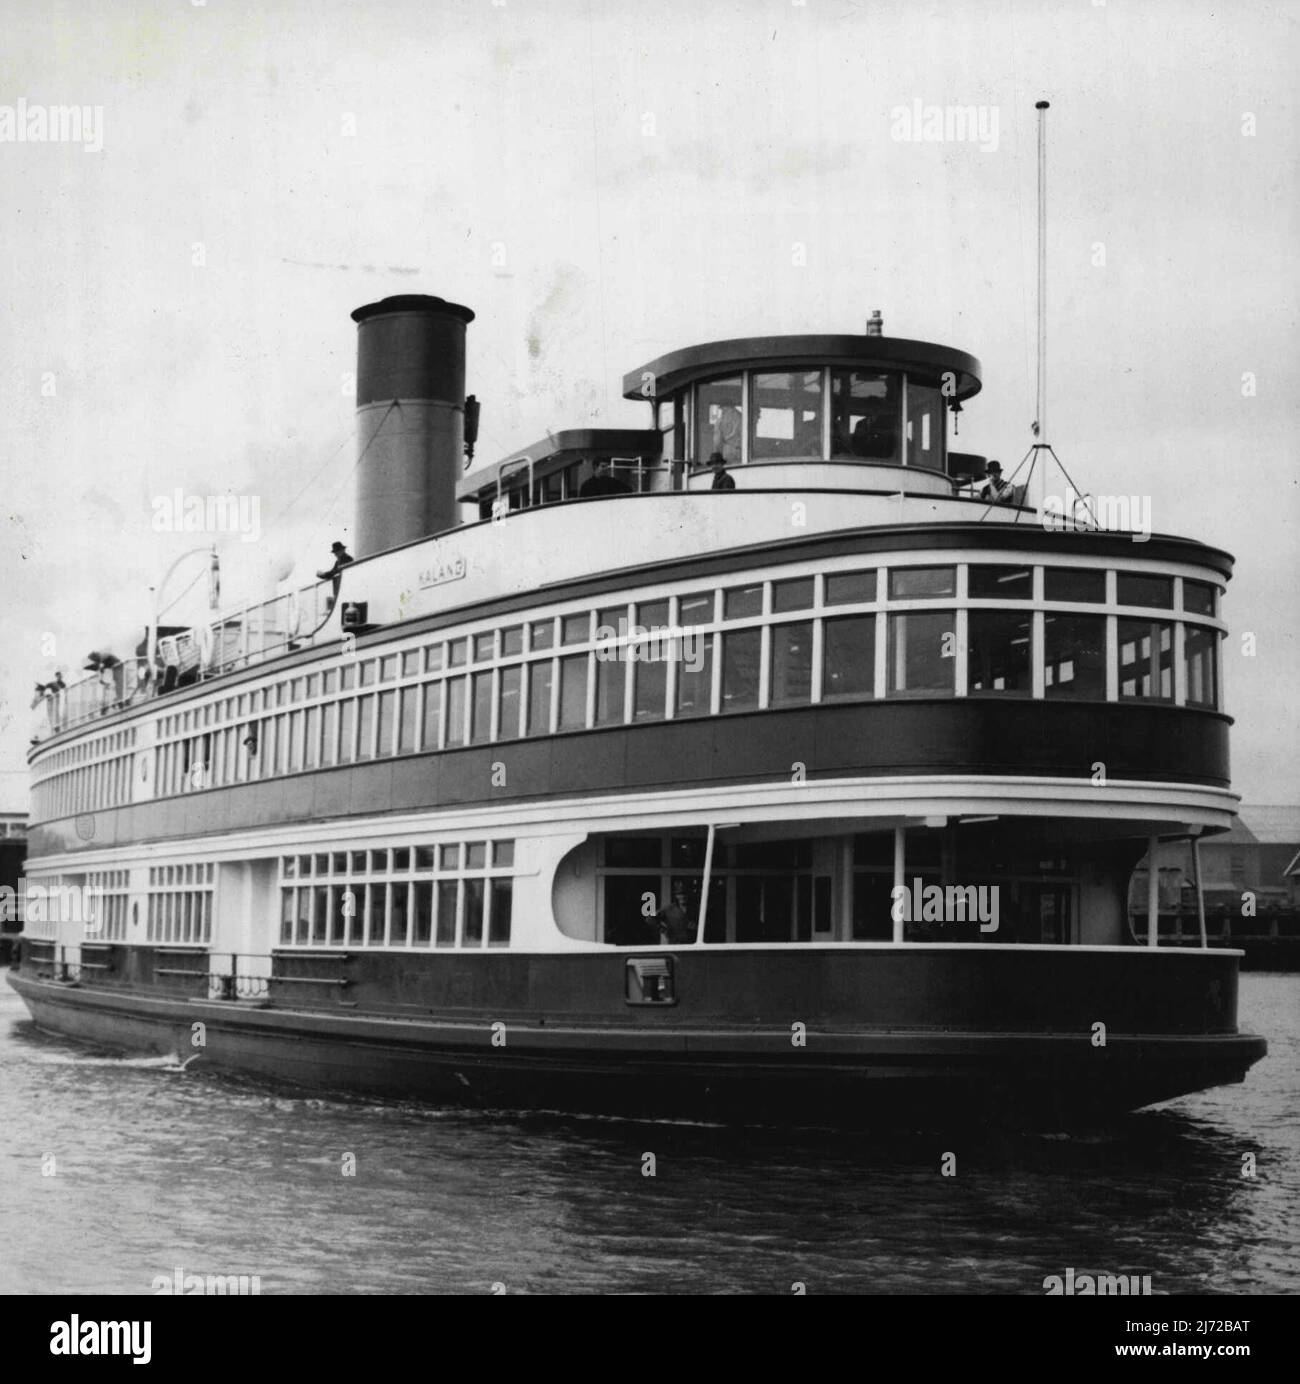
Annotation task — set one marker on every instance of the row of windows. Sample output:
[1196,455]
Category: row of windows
[94,786]
[984,581]
[389,897]
[180,915]
[761,415]
[400,860]
[110,890]
[86,750]
[787,664]
[648,660]
[450,911]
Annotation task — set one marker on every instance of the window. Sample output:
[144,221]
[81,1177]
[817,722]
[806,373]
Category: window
[406,720]
[921,647]
[611,677]
[509,699]
[1141,589]
[1146,660]
[922,583]
[575,629]
[850,588]
[448,891]
[696,609]
[924,426]
[432,715]
[1200,661]
[543,634]
[695,675]
[792,595]
[485,646]
[472,929]
[311,742]
[848,657]
[742,601]
[1074,648]
[792,664]
[365,727]
[990,582]
[502,904]
[387,719]
[718,425]
[456,691]
[865,408]
[1198,597]
[741,653]
[573,692]
[347,730]
[1079,584]
[998,646]
[480,722]
[786,410]
[539,697]
[650,680]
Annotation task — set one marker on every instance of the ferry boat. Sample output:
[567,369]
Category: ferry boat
[813,798]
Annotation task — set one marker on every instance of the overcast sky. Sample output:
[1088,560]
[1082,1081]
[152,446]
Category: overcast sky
[604,182]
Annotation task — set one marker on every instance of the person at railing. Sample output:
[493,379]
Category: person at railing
[341,559]
[994,489]
[335,574]
[602,481]
[722,479]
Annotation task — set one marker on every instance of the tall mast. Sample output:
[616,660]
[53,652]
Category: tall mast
[1040,426]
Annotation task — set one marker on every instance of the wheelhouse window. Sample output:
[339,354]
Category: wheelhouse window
[1078,584]
[741,655]
[695,675]
[865,409]
[1198,597]
[924,426]
[1201,664]
[1074,648]
[787,415]
[922,583]
[792,664]
[718,422]
[848,658]
[1146,660]
[998,644]
[1143,589]
[921,653]
[989,582]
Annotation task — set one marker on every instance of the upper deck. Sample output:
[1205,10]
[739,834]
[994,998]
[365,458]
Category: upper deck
[851,588]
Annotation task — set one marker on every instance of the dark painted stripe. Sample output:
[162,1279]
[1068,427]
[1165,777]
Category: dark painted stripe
[970,736]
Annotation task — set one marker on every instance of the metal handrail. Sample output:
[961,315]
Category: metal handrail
[249,636]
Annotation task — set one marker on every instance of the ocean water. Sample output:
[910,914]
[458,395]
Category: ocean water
[116,1172]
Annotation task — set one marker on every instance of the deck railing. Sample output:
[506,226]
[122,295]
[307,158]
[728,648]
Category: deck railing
[240,640]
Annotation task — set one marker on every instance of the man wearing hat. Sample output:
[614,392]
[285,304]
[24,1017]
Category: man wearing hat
[341,559]
[995,490]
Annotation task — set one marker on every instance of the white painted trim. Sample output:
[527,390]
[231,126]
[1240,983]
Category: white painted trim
[862,799]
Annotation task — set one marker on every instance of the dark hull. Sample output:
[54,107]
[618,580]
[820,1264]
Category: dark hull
[754,1076]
